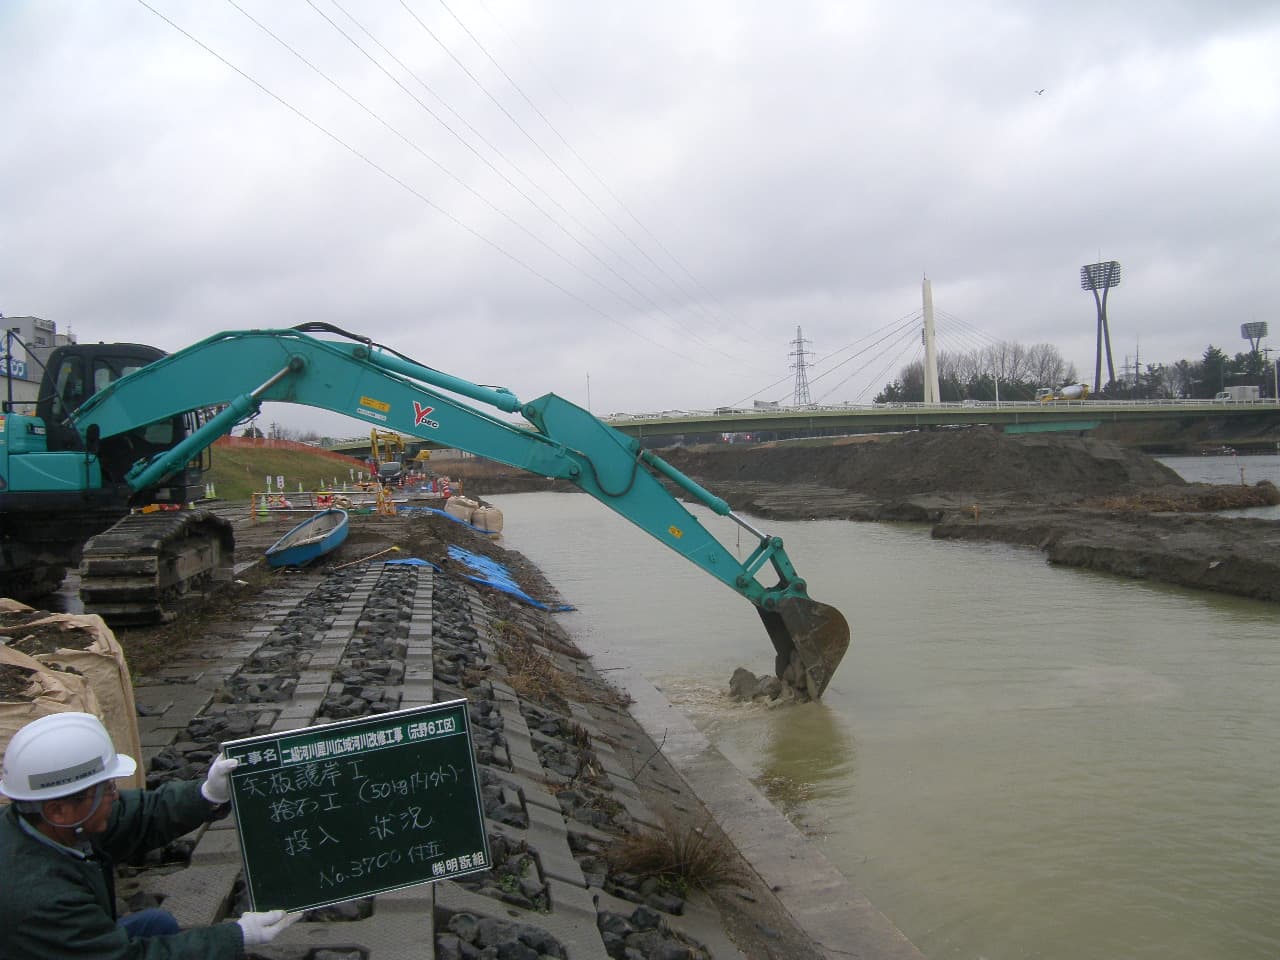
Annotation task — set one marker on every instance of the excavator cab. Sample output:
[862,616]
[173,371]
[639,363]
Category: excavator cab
[75,373]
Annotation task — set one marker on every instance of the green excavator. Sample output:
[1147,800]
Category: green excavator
[122,427]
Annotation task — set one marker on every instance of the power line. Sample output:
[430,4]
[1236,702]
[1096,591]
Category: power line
[421,152]
[596,176]
[893,327]
[591,253]
[516,123]
[404,185]
[569,178]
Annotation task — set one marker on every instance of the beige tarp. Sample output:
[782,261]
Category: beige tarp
[105,671]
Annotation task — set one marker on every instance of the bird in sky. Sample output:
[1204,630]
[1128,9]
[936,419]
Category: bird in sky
[1040,91]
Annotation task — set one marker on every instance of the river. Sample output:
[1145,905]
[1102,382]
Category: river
[1015,760]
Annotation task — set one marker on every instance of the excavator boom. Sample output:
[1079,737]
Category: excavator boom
[239,370]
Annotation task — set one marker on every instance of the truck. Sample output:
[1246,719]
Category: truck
[1237,394]
[102,477]
[1069,391]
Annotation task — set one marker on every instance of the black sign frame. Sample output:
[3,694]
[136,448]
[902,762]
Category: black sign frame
[353,808]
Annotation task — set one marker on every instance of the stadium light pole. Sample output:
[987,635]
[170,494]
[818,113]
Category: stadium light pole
[1254,332]
[1094,277]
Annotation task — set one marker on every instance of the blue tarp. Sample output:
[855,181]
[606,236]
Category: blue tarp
[495,575]
[486,571]
[442,513]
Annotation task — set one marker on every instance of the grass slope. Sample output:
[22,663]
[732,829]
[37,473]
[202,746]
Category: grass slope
[239,471]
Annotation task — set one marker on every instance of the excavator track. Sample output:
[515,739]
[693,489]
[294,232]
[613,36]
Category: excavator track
[139,571]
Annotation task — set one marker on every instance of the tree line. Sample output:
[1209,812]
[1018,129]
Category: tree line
[1011,371]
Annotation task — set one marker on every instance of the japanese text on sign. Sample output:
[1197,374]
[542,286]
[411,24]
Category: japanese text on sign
[358,807]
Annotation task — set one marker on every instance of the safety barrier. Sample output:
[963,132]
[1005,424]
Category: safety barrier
[375,498]
[263,506]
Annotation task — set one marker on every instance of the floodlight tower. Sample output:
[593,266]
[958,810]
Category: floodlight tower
[1094,277]
[802,373]
[1254,332]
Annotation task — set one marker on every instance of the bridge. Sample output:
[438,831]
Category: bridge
[1018,416]
[1012,416]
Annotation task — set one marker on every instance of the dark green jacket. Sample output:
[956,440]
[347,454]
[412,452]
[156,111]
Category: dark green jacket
[56,905]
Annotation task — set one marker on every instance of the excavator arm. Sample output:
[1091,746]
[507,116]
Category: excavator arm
[239,370]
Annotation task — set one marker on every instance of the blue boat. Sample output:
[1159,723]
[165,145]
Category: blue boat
[309,540]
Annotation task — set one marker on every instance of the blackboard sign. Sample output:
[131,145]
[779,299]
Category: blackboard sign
[358,807]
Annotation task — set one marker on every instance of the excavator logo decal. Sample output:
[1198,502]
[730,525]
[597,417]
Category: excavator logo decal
[421,416]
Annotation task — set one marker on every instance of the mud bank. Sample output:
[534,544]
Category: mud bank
[1081,502]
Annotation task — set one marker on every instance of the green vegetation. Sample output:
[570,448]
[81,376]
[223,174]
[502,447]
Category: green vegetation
[1012,371]
[239,471]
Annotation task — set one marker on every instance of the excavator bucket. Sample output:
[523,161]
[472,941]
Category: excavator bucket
[810,639]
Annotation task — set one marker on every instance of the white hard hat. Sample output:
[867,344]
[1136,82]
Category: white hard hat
[58,755]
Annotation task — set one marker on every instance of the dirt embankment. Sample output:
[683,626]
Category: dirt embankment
[1082,502]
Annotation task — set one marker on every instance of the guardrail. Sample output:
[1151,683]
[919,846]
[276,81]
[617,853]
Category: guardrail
[1094,402]
[1101,405]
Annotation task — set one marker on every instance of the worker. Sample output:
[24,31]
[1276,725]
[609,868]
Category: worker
[67,824]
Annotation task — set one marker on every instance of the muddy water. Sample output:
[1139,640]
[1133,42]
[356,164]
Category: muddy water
[1013,761]
[1247,469]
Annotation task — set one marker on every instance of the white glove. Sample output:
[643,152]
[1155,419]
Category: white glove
[265,927]
[217,785]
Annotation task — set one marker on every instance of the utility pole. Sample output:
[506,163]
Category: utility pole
[802,373]
[9,336]
[1275,372]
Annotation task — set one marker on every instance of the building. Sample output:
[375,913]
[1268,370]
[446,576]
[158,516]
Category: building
[25,345]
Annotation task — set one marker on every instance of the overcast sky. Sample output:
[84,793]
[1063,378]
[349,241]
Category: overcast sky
[643,200]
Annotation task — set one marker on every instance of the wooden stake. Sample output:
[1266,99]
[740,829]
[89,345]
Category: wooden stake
[352,563]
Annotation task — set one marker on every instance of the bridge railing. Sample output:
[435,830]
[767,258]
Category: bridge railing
[780,412]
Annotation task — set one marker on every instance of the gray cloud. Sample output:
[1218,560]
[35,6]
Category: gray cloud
[806,163]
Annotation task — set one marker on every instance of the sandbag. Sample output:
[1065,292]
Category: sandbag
[46,691]
[460,507]
[84,643]
[488,519]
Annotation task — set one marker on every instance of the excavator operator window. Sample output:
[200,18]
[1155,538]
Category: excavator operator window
[69,390]
[159,434]
[107,370]
[68,393]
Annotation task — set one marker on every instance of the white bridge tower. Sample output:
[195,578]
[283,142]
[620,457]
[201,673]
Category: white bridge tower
[931,391]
